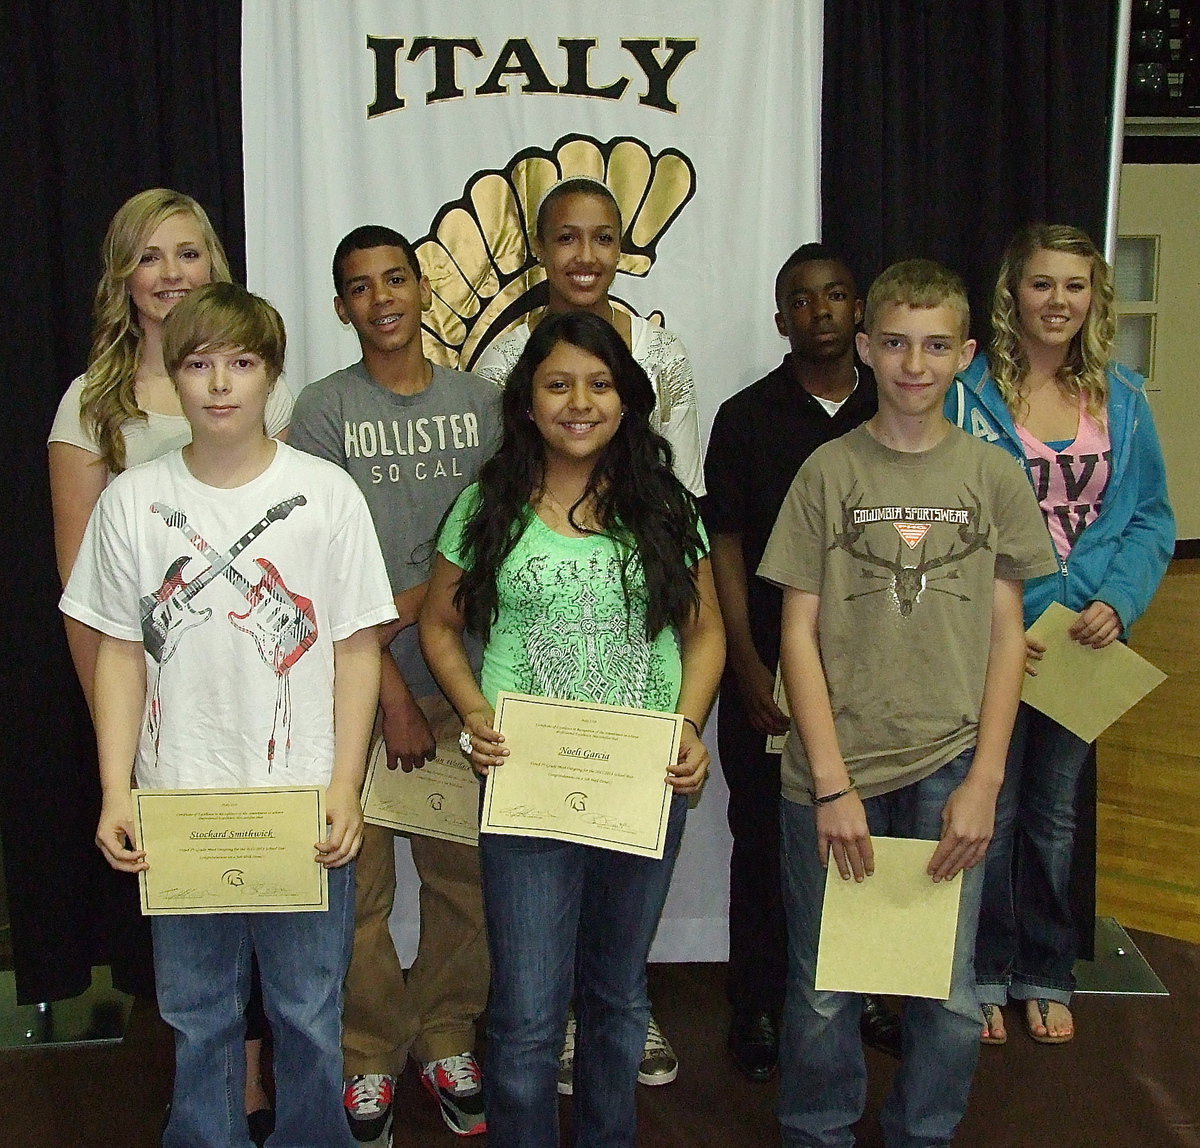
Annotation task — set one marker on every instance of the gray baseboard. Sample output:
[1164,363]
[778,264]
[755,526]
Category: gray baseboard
[1119,967]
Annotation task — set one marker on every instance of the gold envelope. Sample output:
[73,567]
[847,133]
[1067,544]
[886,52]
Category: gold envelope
[1083,689]
[894,932]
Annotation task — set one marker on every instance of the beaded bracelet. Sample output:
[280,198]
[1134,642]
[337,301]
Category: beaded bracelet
[831,796]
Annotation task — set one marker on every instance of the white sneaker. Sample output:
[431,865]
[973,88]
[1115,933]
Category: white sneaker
[566,1059]
[368,1102]
[659,1063]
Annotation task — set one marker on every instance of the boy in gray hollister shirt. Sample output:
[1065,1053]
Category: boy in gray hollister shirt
[412,434]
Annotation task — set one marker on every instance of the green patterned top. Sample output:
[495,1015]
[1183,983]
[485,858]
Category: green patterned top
[563,629]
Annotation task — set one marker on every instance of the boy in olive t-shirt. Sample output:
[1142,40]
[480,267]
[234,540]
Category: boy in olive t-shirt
[901,550]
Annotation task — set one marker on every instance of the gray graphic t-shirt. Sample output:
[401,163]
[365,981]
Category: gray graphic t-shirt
[411,456]
[903,550]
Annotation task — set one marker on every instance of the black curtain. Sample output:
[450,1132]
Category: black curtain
[946,124]
[101,100]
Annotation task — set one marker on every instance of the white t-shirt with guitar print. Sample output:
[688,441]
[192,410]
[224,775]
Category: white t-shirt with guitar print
[237,597]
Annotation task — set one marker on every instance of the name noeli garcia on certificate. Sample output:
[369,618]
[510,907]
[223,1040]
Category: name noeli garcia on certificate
[232,850]
[582,772]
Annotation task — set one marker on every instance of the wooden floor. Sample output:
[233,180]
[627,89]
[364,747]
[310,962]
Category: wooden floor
[1129,1080]
[1148,864]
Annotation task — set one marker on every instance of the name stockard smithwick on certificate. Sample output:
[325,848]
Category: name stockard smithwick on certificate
[221,834]
[232,850]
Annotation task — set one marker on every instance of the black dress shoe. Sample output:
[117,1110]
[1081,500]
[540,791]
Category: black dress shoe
[261,1124]
[754,1045]
[880,1027]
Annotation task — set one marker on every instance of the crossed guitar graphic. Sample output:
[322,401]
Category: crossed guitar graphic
[282,624]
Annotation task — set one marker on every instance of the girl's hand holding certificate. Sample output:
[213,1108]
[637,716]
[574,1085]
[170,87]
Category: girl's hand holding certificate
[690,771]
[486,744]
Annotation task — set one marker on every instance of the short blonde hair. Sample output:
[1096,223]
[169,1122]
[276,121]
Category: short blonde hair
[1085,368]
[918,283]
[221,316]
[108,400]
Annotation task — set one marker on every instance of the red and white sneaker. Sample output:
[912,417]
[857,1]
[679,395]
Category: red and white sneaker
[368,1102]
[456,1084]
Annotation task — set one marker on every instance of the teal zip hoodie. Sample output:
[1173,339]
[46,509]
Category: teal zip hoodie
[1121,556]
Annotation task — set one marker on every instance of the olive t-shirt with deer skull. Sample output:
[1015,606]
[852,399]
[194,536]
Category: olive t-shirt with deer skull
[903,549]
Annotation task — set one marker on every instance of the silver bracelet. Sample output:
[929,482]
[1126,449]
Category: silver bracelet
[831,796]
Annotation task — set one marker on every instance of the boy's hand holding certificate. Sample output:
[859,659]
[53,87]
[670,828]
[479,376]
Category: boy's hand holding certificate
[894,932]
[582,772]
[441,799]
[232,850]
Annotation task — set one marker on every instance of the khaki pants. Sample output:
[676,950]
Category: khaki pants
[432,1012]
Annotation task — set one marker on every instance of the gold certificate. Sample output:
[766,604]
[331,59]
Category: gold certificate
[582,772]
[232,850]
[441,799]
[894,932]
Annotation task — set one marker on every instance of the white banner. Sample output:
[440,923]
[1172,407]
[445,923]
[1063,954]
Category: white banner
[446,121]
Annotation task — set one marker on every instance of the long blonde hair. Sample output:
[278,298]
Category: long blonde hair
[108,399]
[1084,369]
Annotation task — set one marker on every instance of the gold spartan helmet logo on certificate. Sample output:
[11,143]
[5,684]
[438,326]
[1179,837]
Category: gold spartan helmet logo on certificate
[478,257]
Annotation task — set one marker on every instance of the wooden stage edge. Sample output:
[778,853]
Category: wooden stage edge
[1148,862]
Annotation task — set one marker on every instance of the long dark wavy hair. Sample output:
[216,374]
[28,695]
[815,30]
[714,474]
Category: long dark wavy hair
[638,501]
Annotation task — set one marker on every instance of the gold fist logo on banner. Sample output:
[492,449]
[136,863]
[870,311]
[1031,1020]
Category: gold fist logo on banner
[477,255]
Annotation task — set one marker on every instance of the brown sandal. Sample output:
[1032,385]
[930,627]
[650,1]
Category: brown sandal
[1043,1008]
[989,1017]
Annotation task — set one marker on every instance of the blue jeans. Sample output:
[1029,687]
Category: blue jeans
[823,1087]
[1027,939]
[202,966]
[558,912]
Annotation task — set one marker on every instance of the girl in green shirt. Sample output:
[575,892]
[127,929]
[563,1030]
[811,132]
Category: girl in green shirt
[580,559]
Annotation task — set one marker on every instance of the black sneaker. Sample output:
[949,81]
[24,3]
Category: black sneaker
[261,1123]
[880,1027]
[455,1083]
[368,1103]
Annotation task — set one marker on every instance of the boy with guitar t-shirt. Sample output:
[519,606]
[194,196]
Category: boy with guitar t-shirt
[237,584]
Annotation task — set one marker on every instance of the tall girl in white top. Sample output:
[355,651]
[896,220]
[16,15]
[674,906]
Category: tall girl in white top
[577,239]
[123,409]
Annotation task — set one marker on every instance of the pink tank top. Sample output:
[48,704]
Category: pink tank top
[1070,481]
